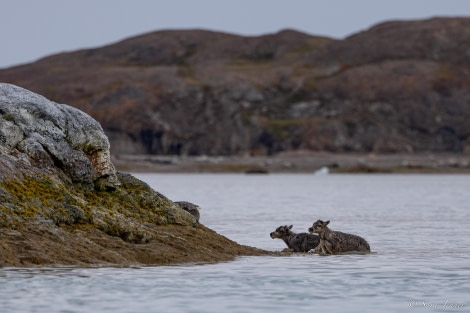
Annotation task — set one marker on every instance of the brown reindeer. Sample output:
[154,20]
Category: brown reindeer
[334,242]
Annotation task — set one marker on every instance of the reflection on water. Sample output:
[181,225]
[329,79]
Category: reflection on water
[418,228]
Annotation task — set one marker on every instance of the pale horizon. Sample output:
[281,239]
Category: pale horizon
[31,30]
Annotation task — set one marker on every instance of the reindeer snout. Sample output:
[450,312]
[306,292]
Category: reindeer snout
[271,234]
[310,229]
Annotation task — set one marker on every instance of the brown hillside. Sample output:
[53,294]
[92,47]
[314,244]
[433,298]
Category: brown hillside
[400,86]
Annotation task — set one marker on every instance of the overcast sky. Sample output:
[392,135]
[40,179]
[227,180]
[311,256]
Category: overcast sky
[31,29]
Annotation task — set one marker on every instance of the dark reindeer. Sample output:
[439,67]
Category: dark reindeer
[301,242]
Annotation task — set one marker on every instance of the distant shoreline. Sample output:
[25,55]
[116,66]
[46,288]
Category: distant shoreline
[297,162]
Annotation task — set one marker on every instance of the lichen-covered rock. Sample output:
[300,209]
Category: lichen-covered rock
[62,202]
[56,167]
[54,136]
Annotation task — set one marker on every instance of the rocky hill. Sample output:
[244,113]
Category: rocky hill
[401,86]
[63,203]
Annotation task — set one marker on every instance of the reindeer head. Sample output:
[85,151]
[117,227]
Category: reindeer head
[281,232]
[318,227]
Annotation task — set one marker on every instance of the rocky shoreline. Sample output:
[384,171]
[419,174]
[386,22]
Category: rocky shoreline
[62,202]
[87,246]
[298,162]
[133,226]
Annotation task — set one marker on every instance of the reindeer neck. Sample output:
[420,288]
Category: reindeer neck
[325,233]
[288,236]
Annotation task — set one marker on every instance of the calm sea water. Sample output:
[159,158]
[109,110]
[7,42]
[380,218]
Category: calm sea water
[418,227]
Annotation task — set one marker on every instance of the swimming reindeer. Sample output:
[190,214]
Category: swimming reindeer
[333,242]
[301,242]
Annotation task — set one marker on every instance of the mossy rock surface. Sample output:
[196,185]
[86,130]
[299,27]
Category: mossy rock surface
[43,222]
[63,203]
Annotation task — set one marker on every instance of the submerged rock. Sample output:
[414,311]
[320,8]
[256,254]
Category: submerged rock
[62,201]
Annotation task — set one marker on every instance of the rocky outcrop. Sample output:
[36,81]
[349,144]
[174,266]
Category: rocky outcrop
[54,137]
[62,201]
[397,87]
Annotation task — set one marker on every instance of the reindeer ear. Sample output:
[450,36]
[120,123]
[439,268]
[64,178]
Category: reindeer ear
[327,222]
[290,227]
